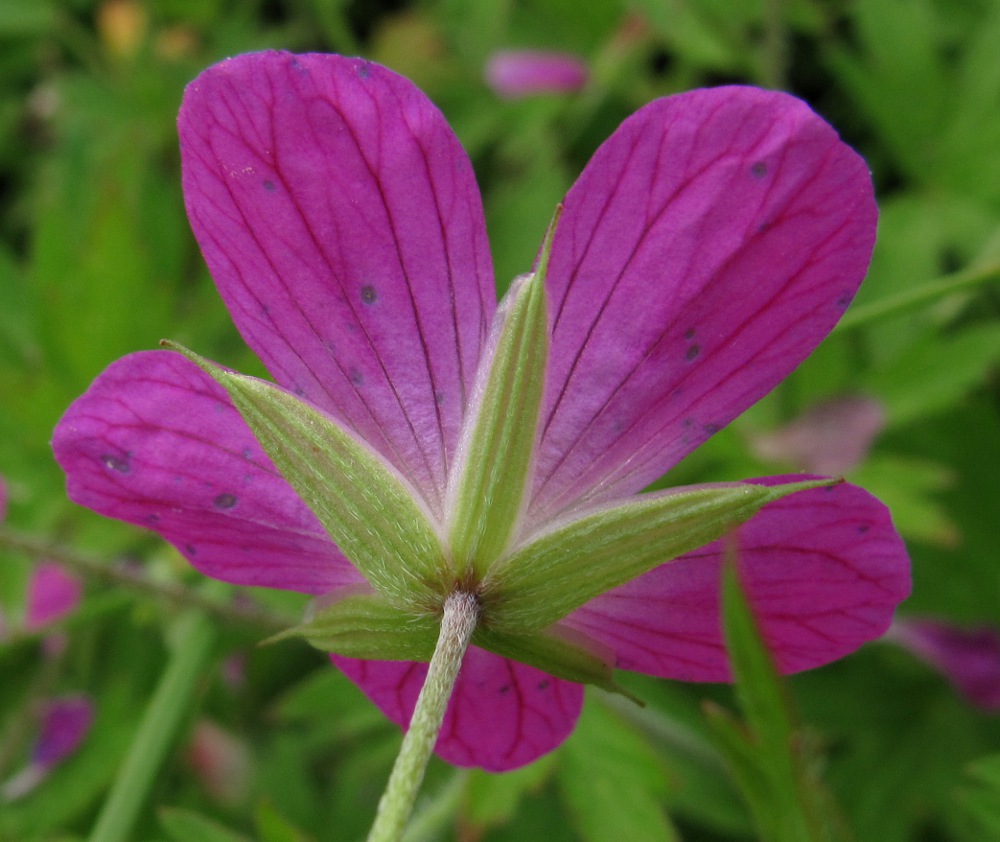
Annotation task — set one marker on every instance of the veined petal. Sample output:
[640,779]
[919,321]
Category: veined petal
[710,244]
[342,223]
[156,442]
[824,571]
[502,714]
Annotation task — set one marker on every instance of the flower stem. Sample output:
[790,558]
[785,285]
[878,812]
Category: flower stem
[461,611]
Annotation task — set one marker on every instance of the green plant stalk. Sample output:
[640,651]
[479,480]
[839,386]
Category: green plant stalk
[461,612]
[158,730]
[918,296]
[91,567]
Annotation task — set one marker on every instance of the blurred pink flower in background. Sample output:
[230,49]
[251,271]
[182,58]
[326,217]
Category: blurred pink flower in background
[968,657]
[221,761]
[513,74]
[52,594]
[829,438]
[64,724]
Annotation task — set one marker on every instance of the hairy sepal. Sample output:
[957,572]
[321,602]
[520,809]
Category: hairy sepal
[359,623]
[560,651]
[496,453]
[368,510]
[574,561]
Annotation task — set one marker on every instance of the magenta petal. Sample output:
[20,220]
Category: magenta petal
[824,569]
[707,248]
[341,220]
[156,442]
[502,714]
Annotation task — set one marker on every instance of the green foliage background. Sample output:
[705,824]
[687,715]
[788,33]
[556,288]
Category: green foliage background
[96,260]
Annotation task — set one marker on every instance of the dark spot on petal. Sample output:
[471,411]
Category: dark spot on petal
[688,422]
[504,690]
[357,378]
[225,501]
[265,310]
[220,407]
[117,464]
[153,518]
[269,185]
[368,294]
[844,301]
[692,352]
[689,333]
[248,454]
[711,428]
[763,227]
[544,685]
[758,169]
[300,392]
[439,397]
[365,70]
[863,528]
[190,549]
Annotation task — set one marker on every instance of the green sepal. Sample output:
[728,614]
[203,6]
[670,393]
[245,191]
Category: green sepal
[576,560]
[356,622]
[491,473]
[372,514]
[559,651]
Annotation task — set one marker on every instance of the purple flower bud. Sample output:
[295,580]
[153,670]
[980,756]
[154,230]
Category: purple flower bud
[520,73]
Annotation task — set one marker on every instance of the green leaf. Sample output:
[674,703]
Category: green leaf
[612,782]
[185,825]
[492,799]
[769,758]
[574,561]
[559,651]
[354,622]
[978,800]
[273,827]
[492,469]
[370,512]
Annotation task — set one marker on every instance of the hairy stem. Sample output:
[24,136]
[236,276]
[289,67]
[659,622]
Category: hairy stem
[461,611]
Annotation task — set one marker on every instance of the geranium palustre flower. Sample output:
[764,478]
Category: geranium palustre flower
[444,445]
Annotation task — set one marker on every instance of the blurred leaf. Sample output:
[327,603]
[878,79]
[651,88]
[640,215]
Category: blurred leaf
[19,19]
[769,758]
[273,827]
[492,799]
[613,784]
[183,825]
[977,801]
[935,372]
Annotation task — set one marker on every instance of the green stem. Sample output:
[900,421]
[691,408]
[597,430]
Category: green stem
[135,580]
[461,611]
[918,296]
[158,729]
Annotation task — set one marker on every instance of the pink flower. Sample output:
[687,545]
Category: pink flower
[969,658]
[714,239]
[831,437]
[514,74]
[52,594]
